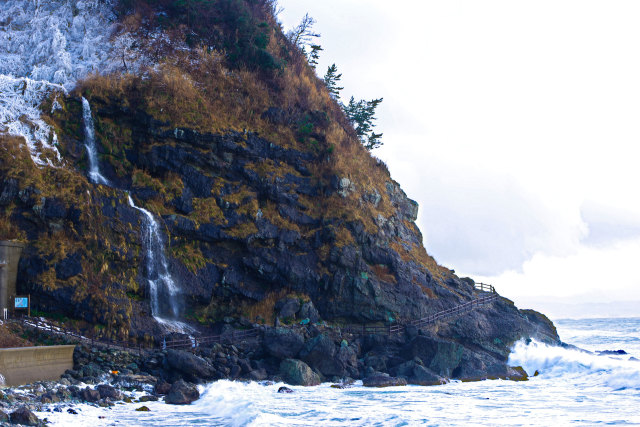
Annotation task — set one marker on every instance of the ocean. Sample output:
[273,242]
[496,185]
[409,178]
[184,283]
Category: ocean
[572,388]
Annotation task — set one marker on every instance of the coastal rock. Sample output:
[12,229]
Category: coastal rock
[440,356]
[320,354]
[296,372]
[89,395]
[309,311]
[25,417]
[417,374]
[517,373]
[162,388]
[135,381]
[283,343]
[193,367]
[108,392]
[182,393]
[612,353]
[91,370]
[288,307]
[380,380]
[257,375]
[49,397]
[423,376]
[4,417]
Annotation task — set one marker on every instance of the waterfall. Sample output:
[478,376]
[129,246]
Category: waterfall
[90,144]
[163,291]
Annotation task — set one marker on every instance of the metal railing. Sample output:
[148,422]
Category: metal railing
[488,295]
[484,287]
[229,337]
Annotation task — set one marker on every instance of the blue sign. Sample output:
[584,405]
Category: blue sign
[22,302]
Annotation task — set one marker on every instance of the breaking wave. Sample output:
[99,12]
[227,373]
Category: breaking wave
[617,372]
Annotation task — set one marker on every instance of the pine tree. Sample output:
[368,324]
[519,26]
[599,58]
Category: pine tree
[331,79]
[314,55]
[362,115]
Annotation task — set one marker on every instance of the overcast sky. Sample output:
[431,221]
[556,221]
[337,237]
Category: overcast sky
[515,125]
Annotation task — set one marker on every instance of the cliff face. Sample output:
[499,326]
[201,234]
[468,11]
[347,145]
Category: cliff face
[262,192]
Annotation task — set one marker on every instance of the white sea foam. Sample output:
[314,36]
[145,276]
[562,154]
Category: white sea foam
[573,388]
[558,362]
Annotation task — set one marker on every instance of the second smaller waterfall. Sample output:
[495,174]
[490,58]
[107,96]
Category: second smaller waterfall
[90,144]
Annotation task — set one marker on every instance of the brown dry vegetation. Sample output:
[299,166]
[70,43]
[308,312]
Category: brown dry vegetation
[60,238]
[9,339]
[199,88]
[264,311]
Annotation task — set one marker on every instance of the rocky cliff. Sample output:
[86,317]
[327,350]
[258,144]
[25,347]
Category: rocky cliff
[268,205]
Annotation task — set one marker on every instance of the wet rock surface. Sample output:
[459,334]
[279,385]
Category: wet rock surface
[25,417]
[296,372]
[381,380]
[182,393]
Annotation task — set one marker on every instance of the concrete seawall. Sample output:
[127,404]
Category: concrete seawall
[28,364]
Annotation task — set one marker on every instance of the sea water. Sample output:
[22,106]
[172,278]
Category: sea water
[572,388]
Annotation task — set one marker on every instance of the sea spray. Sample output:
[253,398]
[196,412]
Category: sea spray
[90,144]
[559,362]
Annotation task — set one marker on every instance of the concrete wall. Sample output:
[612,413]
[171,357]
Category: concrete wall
[10,254]
[28,364]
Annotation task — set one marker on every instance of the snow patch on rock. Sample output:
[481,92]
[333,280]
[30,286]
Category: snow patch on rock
[45,47]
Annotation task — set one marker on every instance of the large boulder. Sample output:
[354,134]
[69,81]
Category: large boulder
[193,367]
[283,343]
[108,392]
[320,354]
[423,376]
[288,307]
[296,372]
[417,374]
[347,357]
[89,395]
[308,311]
[182,393]
[25,417]
[381,380]
[442,357]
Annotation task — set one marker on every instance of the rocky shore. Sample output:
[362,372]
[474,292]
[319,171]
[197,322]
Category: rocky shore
[297,355]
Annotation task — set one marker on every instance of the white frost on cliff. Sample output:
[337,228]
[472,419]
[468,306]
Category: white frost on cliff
[46,46]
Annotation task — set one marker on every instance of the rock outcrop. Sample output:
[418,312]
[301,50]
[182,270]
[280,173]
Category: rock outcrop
[271,211]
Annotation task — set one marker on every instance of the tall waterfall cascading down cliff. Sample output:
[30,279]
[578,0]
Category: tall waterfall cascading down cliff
[163,291]
[90,144]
